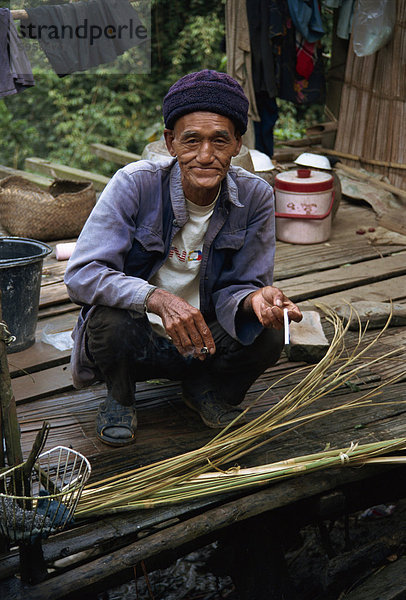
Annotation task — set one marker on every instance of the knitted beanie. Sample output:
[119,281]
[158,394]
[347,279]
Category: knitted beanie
[206,91]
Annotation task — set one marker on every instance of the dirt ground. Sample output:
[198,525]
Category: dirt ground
[326,564]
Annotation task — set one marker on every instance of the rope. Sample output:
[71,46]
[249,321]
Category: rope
[344,455]
[5,335]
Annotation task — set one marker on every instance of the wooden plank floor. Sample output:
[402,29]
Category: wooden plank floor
[345,268]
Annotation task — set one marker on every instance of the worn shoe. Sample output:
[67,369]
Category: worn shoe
[116,424]
[214,412]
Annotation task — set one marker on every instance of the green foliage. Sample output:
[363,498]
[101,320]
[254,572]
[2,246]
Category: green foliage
[60,117]
[294,120]
[199,42]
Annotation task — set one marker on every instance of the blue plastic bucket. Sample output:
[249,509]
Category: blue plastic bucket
[20,282]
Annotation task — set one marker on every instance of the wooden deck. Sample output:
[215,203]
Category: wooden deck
[346,268]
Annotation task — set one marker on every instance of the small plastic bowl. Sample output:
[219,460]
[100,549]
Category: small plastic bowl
[317,161]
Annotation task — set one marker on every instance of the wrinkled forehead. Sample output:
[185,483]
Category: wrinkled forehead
[205,122]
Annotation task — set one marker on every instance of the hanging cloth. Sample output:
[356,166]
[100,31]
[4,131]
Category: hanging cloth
[293,86]
[306,56]
[263,67]
[306,18]
[345,16]
[81,35]
[238,47]
[15,68]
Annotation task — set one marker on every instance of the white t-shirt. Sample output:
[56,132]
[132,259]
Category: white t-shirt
[180,272]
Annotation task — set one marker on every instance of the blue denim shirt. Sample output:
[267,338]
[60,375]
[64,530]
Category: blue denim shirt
[129,233]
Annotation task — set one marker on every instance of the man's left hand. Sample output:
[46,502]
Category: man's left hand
[268,304]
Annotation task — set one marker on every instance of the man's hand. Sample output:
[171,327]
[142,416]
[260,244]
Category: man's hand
[183,323]
[268,304]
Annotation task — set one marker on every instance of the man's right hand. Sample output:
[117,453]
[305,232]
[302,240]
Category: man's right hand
[183,323]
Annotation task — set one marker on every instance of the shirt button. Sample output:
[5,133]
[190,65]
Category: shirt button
[175,223]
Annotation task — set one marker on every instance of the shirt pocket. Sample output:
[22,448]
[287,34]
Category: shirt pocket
[148,241]
[230,240]
[146,252]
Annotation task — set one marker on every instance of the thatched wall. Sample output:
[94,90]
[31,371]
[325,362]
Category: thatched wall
[372,121]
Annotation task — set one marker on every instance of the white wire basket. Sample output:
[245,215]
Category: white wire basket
[55,484]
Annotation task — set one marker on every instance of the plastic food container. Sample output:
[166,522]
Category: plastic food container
[304,200]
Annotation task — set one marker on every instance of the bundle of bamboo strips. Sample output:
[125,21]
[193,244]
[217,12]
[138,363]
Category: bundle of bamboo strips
[218,482]
[372,121]
[176,479]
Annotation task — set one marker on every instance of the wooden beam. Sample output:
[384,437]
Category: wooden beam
[120,157]
[29,387]
[330,281]
[19,14]
[40,180]
[382,291]
[41,165]
[40,355]
[83,578]
[52,294]
[362,159]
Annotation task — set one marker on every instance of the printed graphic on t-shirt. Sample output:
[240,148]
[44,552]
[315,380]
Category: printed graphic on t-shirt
[182,256]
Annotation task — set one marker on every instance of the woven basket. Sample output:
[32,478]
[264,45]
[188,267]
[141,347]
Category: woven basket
[55,484]
[54,214]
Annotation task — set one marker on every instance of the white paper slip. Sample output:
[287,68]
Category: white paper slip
[286,326]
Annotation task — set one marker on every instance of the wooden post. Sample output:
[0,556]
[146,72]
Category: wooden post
[32,564]
[10,427]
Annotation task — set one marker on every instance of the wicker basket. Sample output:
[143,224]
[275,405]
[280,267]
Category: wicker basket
[54,214]
[55,483]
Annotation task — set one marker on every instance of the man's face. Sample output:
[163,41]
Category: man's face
[204,143]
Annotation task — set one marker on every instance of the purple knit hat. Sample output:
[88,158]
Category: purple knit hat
[206,91]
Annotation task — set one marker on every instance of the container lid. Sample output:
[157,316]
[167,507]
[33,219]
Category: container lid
[303,180]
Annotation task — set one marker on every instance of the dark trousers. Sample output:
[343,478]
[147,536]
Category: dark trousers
[125,350]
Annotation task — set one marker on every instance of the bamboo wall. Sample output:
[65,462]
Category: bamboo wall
[372,121]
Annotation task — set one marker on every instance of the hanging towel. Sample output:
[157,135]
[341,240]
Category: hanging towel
[81,35]
[15,68]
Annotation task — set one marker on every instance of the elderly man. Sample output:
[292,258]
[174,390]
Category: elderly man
[174,268]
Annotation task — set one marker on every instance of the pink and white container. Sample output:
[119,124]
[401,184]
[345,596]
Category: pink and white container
[303,199]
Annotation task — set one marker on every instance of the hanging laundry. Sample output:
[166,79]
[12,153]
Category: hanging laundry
[15,69]
[306,18]
[239,56]
[263,68]
[345,16]
[81,35]
[263,74]
[293,85]
[306,56]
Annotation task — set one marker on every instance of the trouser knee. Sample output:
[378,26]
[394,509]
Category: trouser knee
[235,367]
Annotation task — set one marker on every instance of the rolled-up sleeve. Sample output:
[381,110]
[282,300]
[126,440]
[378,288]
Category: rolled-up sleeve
[95,272]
